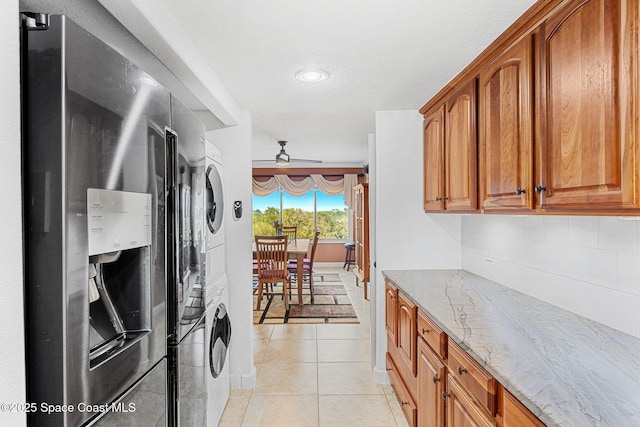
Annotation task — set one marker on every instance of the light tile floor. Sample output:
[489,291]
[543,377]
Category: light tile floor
[315,375]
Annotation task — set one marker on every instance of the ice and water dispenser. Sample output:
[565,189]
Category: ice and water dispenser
[120,238]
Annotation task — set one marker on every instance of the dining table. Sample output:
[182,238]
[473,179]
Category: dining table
[297,248]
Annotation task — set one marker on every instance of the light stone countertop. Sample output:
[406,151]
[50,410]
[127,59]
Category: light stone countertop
[568,370]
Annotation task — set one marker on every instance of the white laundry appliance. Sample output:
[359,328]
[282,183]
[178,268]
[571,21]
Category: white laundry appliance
[218,335]
[216,258]
[218,324]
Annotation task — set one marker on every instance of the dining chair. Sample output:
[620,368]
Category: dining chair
[271,262]
[307,266]
[291,231]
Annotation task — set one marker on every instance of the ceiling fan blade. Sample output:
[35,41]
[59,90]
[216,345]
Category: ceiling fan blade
[284,159]
[305,161]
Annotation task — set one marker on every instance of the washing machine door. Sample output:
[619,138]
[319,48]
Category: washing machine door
[215,199]
[220,337]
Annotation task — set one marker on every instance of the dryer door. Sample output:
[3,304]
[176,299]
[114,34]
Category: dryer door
[215,199]
[220,337]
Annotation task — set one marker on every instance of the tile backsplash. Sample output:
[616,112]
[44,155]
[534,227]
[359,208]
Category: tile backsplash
[588,265]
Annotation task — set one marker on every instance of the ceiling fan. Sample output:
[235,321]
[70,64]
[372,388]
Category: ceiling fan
[283,158]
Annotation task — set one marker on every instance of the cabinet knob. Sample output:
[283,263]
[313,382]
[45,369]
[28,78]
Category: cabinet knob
[425,331]
[520,191]
[445,198]
[438,199]
[462,370]
[435,379]
[445,395]
[404,403]
[540,188]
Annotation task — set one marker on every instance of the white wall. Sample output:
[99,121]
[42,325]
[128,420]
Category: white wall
[373,300]
[235,145]
[12,367]
[405,237]
[588,265]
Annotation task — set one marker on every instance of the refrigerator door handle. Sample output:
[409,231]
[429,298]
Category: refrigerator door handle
[173,204]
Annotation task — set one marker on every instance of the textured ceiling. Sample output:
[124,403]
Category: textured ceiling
[381,55]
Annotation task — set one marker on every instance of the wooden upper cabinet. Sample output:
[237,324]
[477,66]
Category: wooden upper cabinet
[505,130]
[450,154]
[557,117]
[589,99]
[460,150]
[434,160]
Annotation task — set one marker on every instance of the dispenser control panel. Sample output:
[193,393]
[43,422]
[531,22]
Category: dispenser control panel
[117,220]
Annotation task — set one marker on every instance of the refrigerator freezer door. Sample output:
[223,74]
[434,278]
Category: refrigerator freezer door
[145,404]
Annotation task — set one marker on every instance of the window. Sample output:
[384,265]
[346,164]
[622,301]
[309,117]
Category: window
[313,210]
[266,210]
[332,216]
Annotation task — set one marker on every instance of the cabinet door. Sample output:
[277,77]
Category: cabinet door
[361,232]
[407,404]
[589,149]
[516,415]
[431,383]
[407,335]
[462,411]
[434,161]
[505,130]
[391,322]
[358,229]
[460,153]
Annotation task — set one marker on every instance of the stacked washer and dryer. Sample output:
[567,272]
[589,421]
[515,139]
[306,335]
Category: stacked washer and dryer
[218,325]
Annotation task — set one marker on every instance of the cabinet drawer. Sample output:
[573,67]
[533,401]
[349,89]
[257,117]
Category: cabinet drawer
[432,335]
[478,382]
[404,398]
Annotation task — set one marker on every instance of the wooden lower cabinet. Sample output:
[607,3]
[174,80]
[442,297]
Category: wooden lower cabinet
[409,407]
[515,414]
[462,410]
[432,379]
[438,383]
[401,349]
[391,313]
[406,334]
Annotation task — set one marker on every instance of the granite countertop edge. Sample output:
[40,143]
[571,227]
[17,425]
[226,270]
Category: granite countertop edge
[568,370]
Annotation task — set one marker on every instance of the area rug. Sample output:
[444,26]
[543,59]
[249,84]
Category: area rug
[321,311]
[329,290]
[326,277]
[331,304]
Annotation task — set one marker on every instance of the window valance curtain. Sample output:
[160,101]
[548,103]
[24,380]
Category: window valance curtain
[350,181]
[302,187]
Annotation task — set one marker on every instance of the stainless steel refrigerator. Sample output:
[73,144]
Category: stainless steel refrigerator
[186,299]
[97,206]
